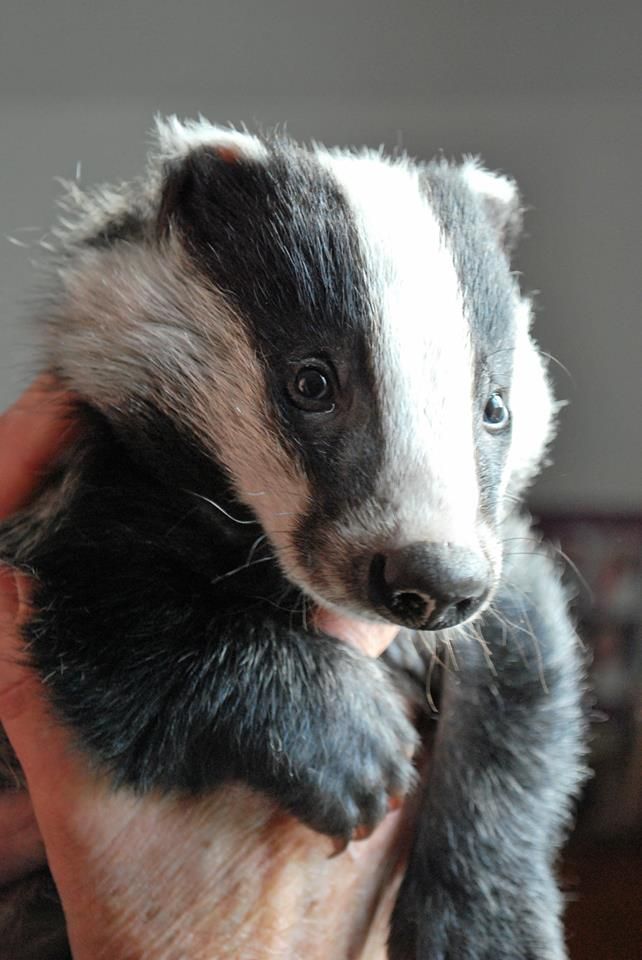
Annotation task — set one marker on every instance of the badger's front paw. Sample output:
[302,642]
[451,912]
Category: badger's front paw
[350,762]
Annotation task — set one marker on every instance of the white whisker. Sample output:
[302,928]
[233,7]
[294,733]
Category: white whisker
[224,512]
[244,566]
[565,557]
[558,363]
[254,546]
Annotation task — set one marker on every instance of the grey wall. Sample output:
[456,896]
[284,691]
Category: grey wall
[545,91]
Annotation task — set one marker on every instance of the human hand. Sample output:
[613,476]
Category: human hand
[228,876]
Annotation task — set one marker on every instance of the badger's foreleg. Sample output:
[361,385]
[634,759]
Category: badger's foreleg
[480,883]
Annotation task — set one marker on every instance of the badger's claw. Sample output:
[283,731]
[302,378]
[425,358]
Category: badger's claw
[339,846]
[354,765]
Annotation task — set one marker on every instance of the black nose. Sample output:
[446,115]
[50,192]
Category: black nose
[429,586]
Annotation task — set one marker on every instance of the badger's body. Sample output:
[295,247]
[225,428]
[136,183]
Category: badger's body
[307,393]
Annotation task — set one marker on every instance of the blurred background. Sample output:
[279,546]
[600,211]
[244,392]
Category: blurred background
[548,92]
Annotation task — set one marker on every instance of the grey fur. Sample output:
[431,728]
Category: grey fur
[508,764]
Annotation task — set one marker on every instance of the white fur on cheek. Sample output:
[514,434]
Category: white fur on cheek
[137,324]
[423,354]
[532,407]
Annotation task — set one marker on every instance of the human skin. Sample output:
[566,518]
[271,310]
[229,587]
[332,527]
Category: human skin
[160,878]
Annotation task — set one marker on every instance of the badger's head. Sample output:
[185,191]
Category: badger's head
[341,333]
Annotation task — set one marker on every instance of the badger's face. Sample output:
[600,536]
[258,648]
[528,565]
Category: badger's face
[342,333]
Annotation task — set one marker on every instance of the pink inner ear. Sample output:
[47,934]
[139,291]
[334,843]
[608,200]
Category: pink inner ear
[228,154]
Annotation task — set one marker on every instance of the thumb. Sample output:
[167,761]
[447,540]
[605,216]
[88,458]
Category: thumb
[42,746]
[18,686]
[21,847]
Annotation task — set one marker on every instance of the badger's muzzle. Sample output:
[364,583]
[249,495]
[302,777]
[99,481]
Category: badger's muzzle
[429,586]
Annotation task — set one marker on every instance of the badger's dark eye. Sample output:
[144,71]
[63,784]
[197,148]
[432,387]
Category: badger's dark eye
[312,389]
[496,413]
[312,384]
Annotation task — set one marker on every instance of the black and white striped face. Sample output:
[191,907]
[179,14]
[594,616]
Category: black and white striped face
[343,334]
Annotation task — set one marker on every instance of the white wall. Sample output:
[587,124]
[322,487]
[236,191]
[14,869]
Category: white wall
[546,92]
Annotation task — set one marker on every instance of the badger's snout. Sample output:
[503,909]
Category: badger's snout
[429,586]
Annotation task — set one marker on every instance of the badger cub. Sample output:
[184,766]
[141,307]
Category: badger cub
[307,393]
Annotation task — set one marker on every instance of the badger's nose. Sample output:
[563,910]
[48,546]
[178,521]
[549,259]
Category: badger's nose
[429,586]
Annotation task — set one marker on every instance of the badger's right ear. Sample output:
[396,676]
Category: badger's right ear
[195,155]
[500,201]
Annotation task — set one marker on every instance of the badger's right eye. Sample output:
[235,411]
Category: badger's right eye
[311,389]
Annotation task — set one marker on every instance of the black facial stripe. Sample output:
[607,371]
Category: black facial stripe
[489,294]
[277,236]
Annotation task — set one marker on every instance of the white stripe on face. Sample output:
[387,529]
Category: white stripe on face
[138,323]
[423,355]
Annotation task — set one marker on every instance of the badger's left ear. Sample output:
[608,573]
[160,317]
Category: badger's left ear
[190,154]
[500,200]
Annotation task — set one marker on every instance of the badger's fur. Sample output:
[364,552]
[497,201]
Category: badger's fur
[305,380]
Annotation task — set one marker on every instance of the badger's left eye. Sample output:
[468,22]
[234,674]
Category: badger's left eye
[496,413]
[312,390]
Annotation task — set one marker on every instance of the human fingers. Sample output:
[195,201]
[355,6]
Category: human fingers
[370,638]
[21,846]
[52,767]
[32,431]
